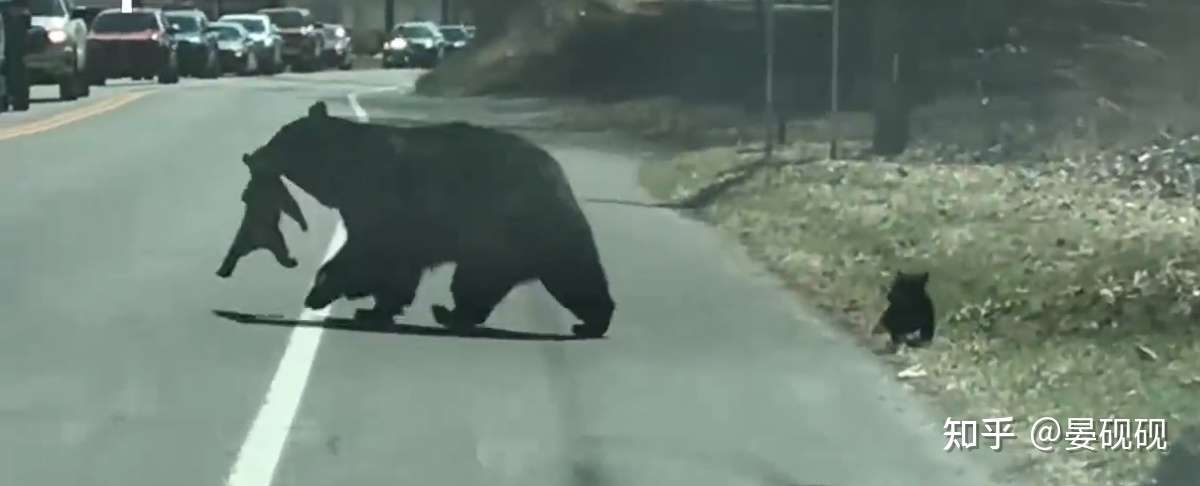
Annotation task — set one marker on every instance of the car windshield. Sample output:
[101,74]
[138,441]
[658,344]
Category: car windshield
[252,25]
[125,22]
[48,8]
[287,19]
[415,32]
[454,34]
[186,23]
[227,33]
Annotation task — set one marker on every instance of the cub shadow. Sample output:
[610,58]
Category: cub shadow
[345,324]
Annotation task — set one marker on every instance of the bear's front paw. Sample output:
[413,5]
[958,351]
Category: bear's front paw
[442,315]
[589,331]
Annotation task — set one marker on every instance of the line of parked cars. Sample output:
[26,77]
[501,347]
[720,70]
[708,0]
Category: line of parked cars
[423,43]
[80,47]
[77,48]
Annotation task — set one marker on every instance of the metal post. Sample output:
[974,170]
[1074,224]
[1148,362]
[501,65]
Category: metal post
[834,128]
[769,95]
[389,16]
[445,11]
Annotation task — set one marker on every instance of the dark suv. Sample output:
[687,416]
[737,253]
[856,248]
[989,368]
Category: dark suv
[303,42]
[137,44]
[58,47]
[198,52]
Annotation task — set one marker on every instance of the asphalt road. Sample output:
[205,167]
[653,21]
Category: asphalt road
[115,370]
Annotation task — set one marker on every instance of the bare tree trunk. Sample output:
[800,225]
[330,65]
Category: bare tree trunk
[889,38]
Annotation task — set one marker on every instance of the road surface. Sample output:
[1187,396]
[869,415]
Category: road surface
[116,371]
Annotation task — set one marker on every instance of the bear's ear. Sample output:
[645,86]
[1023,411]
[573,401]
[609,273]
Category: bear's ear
[318,109]
[246,159]
[923,278]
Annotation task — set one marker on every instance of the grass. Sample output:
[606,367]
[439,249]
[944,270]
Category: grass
[1058,293]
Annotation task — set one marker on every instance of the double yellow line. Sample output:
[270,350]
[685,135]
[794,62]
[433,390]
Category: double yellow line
[72,116]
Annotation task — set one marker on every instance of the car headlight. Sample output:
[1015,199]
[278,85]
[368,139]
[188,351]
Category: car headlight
[269,41]
[306,29]
[57,36]
[396,44]
[340,32]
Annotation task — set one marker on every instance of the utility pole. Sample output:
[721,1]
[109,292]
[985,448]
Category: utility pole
[769,88]
[890,25]
[389,15]
[833,88]
[445,11]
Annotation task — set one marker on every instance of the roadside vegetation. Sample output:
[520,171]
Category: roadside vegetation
[1055,207]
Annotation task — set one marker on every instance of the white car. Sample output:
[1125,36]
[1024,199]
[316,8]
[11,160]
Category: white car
[265,39]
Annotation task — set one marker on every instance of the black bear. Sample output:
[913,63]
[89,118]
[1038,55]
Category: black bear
[909,310]
[494,204]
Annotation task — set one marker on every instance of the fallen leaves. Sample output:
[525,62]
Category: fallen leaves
[1057,293]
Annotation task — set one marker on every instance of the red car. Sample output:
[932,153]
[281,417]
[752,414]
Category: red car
[136,44]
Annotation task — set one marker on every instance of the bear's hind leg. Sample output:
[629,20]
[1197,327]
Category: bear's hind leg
[583,290]
[477,290]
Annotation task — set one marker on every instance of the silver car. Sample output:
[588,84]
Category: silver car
[265,40]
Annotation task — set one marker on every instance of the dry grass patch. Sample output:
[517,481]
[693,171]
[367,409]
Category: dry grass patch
[1057,295]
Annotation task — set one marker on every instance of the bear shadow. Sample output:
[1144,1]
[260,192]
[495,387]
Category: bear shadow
[345,324]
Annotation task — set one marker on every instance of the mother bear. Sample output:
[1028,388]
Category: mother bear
[497,206]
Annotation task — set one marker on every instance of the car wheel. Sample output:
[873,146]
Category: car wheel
[277,64]
[85,86]
[347,63]
[251,66]
[210,69]
[170,72]
[68,88]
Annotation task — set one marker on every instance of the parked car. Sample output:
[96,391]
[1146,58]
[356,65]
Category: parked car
[302,38]
[422,41]
[456,36]
[236,47]
[265,40]
[88,13]
[198,53]
[4,102]
[136,44]
[339,51]
[396,52]
[58,51]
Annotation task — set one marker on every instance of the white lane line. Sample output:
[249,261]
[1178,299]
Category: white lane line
[260,453]
[359,112]
[263,447]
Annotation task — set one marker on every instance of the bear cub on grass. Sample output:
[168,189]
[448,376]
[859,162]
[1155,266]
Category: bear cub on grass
[910,310]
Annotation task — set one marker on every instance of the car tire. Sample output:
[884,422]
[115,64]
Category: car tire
[277,64]
[85,85]
[251,67]
[69,87]
[19,101]
[347,64]
[212,66]
[170,72]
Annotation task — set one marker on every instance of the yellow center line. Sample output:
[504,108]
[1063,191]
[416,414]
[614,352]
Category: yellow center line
[72,116]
